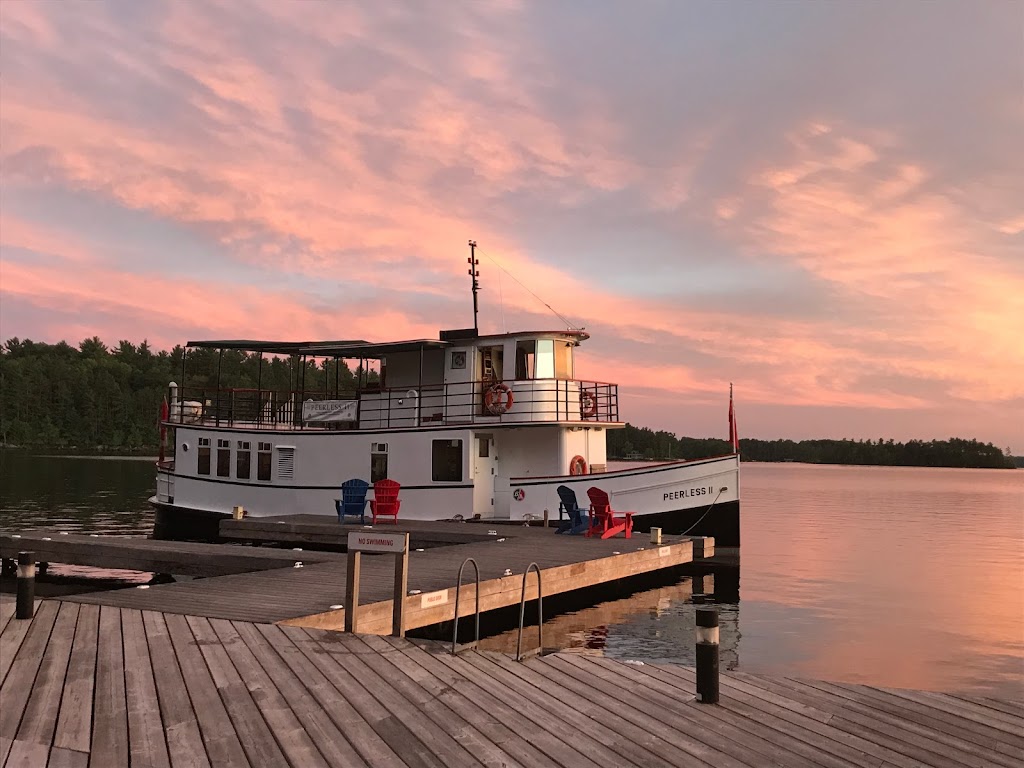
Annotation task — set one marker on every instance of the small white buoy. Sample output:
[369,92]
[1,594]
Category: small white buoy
[508,572]
[143,586]
[419,549]
[15,535]
[296,549]
[297,565]
[337,607]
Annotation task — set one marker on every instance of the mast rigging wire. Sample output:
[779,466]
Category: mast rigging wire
[561,317]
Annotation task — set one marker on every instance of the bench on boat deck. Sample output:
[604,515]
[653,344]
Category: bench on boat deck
[385,501]
[603,518]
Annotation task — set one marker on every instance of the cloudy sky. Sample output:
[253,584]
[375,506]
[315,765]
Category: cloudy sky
[820,202]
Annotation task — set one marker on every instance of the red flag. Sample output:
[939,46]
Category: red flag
[734,438]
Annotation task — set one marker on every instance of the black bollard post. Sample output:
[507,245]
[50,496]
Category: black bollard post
[26,585]
[707,655]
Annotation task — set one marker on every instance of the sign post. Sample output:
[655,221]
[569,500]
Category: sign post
[371,541]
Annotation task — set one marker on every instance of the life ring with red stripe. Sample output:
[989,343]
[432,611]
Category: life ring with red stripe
[577,466]
[498,399]
[588,404]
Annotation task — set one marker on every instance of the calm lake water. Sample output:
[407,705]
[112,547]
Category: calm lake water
[903,577]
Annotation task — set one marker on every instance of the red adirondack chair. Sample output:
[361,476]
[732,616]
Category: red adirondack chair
[385,501]
[603,520]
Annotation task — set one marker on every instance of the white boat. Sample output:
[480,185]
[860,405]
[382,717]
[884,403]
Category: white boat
[470,425]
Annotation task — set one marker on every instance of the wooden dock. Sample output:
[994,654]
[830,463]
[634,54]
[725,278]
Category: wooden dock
[309,595]
[86,685]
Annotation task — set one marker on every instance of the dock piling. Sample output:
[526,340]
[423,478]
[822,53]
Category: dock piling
[26,585]
[707,655]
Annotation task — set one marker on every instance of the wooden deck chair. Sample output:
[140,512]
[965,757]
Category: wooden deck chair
[353,500]
[385,501]
[603,520]
[578,521]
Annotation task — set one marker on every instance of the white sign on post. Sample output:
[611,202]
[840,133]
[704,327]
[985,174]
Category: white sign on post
[371,541]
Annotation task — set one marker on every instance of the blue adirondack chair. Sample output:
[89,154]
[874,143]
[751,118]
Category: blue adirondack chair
[578,521]
[353,500]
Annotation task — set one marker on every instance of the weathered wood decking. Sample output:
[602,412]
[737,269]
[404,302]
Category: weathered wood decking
[305,596]
[86,685]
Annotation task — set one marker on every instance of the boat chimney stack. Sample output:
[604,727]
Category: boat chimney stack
[475,274]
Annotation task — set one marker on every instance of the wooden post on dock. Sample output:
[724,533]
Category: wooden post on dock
[26,585]
[369,541]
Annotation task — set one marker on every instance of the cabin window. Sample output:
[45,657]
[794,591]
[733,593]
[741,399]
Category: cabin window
[447,461]
[378,462]
[243,460]
[545,362]
[204,456]
[223,458]
[263,461]
[525,359]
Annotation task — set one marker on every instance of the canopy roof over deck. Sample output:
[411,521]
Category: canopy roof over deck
[352,349]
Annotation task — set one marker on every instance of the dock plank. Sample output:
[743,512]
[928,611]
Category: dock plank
[110,712]
[221,740]
[147,744]
[185,746]
[74,722]
[40,719]
[17,686]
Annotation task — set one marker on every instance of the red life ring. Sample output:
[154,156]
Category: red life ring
[588,404]
[498,399]
[578,466]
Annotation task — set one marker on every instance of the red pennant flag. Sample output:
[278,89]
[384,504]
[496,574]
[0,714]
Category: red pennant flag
[734,438]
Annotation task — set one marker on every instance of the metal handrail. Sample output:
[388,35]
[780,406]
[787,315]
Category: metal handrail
[540,616]
[458,594]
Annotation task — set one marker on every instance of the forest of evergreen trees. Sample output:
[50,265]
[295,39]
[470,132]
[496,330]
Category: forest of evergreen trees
[636,442]
[97,398]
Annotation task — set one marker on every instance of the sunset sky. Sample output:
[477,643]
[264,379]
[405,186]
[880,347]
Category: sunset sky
[820,202]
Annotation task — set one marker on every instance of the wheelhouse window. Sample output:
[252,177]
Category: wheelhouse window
[223,458]
[539,359]
[545,365]
[243,460]
[446,461]
[203,456]
[378,462]
[263,459]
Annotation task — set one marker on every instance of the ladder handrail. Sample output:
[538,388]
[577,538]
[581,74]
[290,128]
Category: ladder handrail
[540,616]
[458,594]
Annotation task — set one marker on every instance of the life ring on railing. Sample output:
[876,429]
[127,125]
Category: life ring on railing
[588,404]
[577,466]
[498,399]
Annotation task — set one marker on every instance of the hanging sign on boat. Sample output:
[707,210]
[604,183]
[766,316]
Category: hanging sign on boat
[371,541]
[329,410]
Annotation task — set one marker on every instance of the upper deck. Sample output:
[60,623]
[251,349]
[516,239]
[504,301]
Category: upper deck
[460,379]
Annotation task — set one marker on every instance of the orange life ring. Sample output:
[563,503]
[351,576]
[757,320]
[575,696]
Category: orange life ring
[588,404]
[498,399]
[578,466]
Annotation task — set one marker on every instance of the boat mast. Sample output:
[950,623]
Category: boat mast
[473,262]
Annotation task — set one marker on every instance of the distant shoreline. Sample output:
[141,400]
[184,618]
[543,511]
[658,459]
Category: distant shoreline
[1020,464]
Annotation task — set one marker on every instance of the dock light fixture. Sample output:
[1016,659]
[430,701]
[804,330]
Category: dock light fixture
[26,600]
[707,655]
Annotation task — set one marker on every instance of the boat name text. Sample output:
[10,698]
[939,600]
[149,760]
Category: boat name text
[689,493]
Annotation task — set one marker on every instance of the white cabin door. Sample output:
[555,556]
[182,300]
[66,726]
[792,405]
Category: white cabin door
[484,469]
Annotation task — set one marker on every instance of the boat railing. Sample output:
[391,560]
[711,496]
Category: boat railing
[524,401]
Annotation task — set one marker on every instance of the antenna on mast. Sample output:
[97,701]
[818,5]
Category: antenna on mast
[475,274]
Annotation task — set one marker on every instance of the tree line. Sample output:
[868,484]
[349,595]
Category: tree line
[95,397]
[642,443]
